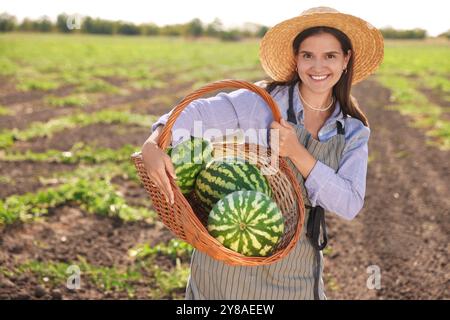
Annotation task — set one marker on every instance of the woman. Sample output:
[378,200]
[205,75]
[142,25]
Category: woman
[313,60]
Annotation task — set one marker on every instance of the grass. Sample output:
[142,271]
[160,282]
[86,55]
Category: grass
[409,101]
[408,68]
[96,86]
[148,83]
[37,84]
[74,100]
[106,171]
[94,196]
[6,180]
[328,250]
[416,59]
[105,278]
[331,282]
[46,62]
[89,187]
[4,111]
[108,278]
[167,282]
[159,282]
[47,129]
[174,249]
[79,153]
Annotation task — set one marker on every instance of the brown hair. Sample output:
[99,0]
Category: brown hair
[341,90]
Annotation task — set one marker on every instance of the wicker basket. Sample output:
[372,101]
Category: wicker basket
[186,218]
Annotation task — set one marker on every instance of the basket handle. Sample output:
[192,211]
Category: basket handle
[165,136]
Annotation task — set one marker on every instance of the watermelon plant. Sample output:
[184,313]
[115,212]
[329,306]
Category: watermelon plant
[189,158]
[226,175]
[248,222]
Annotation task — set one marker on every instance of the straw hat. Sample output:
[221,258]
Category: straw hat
[277,56]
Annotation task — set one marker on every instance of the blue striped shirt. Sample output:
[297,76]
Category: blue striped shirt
[341,192]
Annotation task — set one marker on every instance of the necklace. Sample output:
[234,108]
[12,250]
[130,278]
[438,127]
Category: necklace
[314,108]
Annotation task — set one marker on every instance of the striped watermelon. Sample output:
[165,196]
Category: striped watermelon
[248,222]
[189,158]
[223,176]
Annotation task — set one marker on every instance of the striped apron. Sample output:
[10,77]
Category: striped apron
[297,276]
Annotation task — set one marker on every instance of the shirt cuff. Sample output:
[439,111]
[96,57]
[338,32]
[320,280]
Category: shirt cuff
[317,179]
[160,122]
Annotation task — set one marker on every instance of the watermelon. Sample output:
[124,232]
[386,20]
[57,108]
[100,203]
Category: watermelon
[189,158]
[225,175]
[248,222]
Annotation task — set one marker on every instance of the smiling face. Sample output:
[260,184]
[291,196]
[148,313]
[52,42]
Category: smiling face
[320,62]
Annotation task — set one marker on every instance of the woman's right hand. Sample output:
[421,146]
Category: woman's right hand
[158,165]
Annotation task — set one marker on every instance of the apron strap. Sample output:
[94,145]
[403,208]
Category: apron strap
[340,128]
[290,112]
[316,221]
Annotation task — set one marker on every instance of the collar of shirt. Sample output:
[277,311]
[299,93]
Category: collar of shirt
[329,128]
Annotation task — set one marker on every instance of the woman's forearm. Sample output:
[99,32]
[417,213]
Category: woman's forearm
[303,160]
[153,138]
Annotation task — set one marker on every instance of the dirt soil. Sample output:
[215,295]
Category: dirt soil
[403,228]
[404,225]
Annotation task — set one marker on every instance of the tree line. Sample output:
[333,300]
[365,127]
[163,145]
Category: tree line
[195,28]
[68,24]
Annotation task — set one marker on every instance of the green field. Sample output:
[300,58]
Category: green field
[418,74]
[74,107]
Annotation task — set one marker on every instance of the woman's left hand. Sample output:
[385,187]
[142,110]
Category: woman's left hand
[288,143]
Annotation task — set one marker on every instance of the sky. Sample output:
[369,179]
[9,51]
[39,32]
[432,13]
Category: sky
[431,15]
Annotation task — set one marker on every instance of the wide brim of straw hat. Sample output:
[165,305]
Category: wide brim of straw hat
[276,52]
